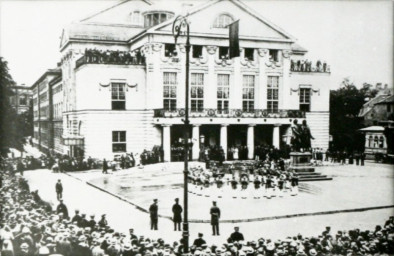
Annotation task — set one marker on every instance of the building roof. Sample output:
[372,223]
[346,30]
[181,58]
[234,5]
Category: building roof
[54,71]
[298,48]
[368,106]
[389,99]
[373,129]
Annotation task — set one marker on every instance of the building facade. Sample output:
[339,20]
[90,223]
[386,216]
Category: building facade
[20,98]
[45,99]
[123,82]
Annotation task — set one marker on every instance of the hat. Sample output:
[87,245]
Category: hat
[82,238]
[312,252]
[24,246]
[270,247]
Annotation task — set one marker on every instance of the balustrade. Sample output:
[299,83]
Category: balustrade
[307,66]
[93,56]
[230,113]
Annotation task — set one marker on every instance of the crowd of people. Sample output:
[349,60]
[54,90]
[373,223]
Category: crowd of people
[30,227]
[114,57]
[307,66]
[268,178]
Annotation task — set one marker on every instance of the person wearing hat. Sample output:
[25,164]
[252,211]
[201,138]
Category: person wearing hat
[62,208]
[103,222]
[91,223]
[77,218]
[236,236]
[199,241]
[59,189]
[215,216]
[153,210]
[177,211]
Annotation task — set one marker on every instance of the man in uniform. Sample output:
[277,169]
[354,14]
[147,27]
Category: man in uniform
[153,210]
[62,208]
[199,241]
[236,236]
[103,222]
[77,218]
[177,211]
[59,189]
[215,216]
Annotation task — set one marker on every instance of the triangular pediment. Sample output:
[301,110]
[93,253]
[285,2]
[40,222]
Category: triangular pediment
[251,24]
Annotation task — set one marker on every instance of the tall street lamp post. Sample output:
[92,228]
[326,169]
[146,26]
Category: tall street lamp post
[181,27]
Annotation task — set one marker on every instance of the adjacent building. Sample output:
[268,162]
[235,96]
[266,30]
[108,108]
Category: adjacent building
[20,98]
[121,83]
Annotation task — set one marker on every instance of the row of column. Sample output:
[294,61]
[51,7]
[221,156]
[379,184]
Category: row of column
[223,140]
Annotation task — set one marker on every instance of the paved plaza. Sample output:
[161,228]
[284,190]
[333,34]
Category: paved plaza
[353,188]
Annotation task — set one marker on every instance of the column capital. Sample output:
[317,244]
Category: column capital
[224,125]
[251,125]
[166,125]
[277,125]
[196,125]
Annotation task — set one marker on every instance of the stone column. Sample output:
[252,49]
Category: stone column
[250,140]
[167,143]
[276,136]
[223,139]
[196,142]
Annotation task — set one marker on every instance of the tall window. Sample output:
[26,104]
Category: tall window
[273,94]
[248,93]
[197,92]
[223,53]
[170,50]
[118,96]
[305,99]
[119,141]
[22,100]
[222,21]
[381,142]
[169,90]
[197,51]
[223,93]
[136,18]
[249,53]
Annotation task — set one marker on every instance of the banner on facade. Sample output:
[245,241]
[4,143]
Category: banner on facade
[234,39]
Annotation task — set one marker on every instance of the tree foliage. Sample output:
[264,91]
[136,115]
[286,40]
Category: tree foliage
[13,127]
[345,105]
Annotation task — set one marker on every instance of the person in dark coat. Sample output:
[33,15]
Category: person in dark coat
[153,210]
[177,211]
[92,223]
[215,216]
[236,236]
[77,218]
[362,158]
[59,189]
[62,208]
[105,166]
[103,222]
[199,241]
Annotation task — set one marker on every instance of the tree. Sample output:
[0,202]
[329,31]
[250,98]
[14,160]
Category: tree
[10,136]
[345,105]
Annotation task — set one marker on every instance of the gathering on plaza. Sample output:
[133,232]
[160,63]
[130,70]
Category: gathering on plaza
[196,128]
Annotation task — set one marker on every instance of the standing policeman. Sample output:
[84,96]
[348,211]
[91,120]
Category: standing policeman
[153,210]
[59,190]
[177,211]
[215,216]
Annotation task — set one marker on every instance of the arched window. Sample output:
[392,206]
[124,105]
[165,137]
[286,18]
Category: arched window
[381,142]
[222,21]
[136,18]
[370,141]
[376,142]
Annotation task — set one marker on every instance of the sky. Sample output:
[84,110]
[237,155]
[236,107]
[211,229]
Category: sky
[354,37]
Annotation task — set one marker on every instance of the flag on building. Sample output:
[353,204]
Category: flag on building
[234,39]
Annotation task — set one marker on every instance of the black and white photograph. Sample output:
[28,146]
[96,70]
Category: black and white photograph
[196,127]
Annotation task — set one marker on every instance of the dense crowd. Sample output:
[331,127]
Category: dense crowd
[268,178]
[307,66]
[114,57]
[29,227]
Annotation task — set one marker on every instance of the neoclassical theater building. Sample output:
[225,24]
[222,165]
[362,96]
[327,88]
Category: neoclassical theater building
[120,84]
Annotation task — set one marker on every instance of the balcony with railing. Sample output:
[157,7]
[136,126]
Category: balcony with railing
[308,66]
[231,113]
[93,56]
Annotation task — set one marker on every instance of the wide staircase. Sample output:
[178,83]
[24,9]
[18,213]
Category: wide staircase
[308,173]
